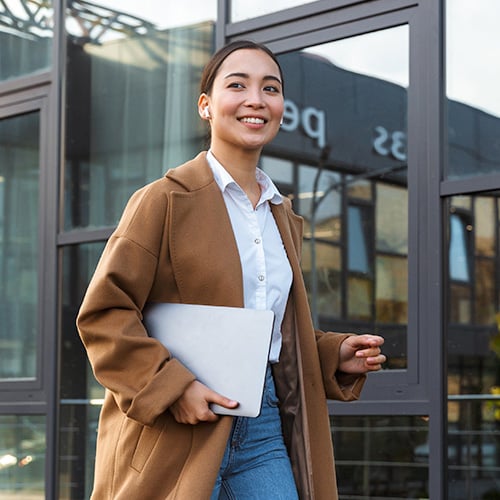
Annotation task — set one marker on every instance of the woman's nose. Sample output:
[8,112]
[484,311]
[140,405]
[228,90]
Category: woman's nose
[254,98]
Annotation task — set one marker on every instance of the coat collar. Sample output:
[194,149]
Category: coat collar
[194,174]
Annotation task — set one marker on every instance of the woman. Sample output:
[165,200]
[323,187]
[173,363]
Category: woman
[216,231]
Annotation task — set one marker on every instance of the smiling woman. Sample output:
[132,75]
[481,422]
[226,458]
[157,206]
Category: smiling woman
[237,215]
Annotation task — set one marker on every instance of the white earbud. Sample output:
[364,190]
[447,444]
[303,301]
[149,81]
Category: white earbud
[206,112]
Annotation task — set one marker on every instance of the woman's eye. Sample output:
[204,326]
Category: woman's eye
[235,85]
[271,88]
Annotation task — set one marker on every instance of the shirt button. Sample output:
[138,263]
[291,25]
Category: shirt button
[257,241]
[261,277]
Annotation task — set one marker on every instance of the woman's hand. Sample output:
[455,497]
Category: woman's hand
[361,353]
[193,406]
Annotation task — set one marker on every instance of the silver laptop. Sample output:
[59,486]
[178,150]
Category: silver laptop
[227,348]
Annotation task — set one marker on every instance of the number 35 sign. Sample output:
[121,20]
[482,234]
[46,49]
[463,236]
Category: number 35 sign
[388,143]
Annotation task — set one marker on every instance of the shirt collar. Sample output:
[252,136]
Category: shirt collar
[223,179]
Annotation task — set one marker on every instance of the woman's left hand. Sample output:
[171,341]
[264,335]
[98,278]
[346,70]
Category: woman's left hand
[361,354]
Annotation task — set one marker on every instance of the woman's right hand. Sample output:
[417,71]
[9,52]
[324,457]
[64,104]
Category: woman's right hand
[193,406]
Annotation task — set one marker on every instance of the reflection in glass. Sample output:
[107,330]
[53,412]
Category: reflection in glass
[359,265]
[473,87]
[241,9]
[280,171]
[381,457]
[359,189]
[132,86]
[22,457]
[357,241]
[79,422]
[392,289]
[485,291]
[485,226]
[459,252]
[474,347]
[392,219]
[319,202]
[359,298]
[80,394]
[344,131]
[26,31]
[327,275]
[19,184]
[107,20]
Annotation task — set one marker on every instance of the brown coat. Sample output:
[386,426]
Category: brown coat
[174,243]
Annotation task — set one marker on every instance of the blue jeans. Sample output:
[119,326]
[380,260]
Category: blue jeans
[256,464]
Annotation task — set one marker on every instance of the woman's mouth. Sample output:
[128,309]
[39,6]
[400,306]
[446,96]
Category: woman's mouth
[253,120]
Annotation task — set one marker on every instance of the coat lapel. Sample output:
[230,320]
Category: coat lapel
[203,249]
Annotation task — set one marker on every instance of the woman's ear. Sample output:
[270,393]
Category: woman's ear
[203,107]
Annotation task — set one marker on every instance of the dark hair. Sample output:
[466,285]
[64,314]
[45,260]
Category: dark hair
[211,69]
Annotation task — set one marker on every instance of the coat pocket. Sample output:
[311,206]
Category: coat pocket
[141,441]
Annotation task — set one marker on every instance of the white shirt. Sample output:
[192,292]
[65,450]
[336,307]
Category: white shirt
[267,275]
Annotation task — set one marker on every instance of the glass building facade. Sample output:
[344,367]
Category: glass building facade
[389,150]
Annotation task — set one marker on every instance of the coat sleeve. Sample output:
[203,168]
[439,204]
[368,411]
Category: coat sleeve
[338,385]
[137,369]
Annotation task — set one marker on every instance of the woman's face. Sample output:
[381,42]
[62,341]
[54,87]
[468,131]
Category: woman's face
[245,104]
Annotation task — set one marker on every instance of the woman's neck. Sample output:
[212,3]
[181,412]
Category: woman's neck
[242,166]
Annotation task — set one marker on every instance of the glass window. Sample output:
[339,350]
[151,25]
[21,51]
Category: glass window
[81,395]
[473,337]
[360,189]
[26,31]
[391,240]
[392,289]
[382,457]
[241,9]
[459,249]
[19,249]
[324,284]
[319,203]
[485,291]
[392,219]
[357,241]
[473,87]
[485,217]
[344,128]
[461,258]
[22,457]
[359,263]
[133,71]
[280,171]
